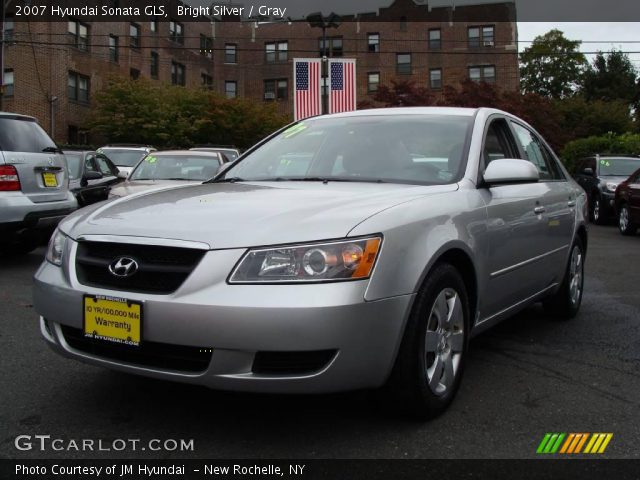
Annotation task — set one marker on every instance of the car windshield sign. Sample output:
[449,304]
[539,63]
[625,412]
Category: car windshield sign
[420,149]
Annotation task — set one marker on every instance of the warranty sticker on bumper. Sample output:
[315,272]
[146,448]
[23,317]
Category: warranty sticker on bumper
[113,319]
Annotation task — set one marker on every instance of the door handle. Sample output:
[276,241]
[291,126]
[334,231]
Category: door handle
[571,203]
[539,210]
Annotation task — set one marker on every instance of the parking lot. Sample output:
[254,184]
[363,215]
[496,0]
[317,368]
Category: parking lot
[528,376]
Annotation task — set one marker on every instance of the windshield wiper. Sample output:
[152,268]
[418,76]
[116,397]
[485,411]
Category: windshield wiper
[51,150]
[328,179]
[226,180]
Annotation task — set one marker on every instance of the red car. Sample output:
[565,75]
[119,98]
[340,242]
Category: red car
[627,203]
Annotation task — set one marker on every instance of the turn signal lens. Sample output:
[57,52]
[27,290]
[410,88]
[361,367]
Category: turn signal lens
[318,262]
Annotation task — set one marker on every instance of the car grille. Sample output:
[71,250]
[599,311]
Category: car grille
[291,363]
[160,269]
[163,356]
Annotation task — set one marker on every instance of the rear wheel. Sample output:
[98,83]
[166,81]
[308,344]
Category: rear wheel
[626,226]
[430,362]
[565,303]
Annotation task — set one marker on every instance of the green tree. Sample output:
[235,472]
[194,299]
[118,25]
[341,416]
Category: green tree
[141,111]
[552,66]
[611,77]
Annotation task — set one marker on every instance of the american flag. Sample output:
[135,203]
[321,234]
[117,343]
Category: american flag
[307,102]
[342,96]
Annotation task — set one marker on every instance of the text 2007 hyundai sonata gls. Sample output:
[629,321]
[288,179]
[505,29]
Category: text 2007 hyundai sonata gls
[346,251]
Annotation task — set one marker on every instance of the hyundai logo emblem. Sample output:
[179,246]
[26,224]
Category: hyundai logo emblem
[123,267]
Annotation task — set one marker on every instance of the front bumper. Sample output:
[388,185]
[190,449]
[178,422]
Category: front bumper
[237,321]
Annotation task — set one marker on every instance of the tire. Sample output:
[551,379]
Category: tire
[565,303]
[430,362]
[625,225]
[596,213]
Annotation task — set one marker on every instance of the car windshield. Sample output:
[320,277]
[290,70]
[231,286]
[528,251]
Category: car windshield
[618,167]
[419,149]
[23,135]
[176,167]
[73,164]
[123,158]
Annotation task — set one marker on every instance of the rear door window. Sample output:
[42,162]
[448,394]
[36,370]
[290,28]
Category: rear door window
[17,135]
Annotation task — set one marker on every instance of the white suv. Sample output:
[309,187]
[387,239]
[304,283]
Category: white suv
[34,183]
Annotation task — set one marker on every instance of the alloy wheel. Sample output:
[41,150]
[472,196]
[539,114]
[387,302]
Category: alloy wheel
[624,219]
[596,210]
[576,270]
[444,342]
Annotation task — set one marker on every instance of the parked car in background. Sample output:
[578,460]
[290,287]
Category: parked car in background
[627,203]
[600,175]
[91,175]
[125,156]
[230,153]
[373,266]
[167,168]
[34,183]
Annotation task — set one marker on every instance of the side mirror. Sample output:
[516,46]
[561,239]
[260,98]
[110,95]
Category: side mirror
[588,171]
[510,170]
[223,168]
[122,174]
[92,175]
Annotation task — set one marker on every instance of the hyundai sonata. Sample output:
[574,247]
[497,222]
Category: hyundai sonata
[346,251]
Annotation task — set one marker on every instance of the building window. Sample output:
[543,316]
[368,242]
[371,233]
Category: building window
[276,52]
[78,87]
[8,82]
[79,32]
[403,63]
[8,29]
[153,25]
[481,36]
[373,81]
[231,88]
[154,65]
[230,53]
[206,46]
[113,48]
[403,24]
[134,73]
[435,39]
[276,89]
[435,78]
[178,76]
[373,42]
[176,31]
[206,81]
[486,73]
[333,47]
[134,35]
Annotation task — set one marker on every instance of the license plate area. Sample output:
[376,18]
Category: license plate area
[112,319]
[49,179]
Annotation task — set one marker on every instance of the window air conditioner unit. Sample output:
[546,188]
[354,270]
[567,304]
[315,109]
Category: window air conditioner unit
[269,96]
[489,43]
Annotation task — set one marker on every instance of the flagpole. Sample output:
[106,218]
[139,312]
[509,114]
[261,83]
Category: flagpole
[331,21]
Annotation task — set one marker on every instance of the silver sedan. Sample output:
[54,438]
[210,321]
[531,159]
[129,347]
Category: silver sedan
[346,251]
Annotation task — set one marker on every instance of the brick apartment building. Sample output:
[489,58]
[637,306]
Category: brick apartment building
[55,72]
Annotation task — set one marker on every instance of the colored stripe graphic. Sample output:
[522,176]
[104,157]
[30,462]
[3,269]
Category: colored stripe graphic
[573,443]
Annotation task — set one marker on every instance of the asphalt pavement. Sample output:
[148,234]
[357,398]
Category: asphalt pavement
[527,376]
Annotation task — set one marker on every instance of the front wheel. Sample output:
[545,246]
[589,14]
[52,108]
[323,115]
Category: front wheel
[624,222]
[565,303]
[430,362]
[597,213]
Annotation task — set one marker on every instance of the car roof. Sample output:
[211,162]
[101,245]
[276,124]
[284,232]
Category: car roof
[78,152]
[17,116]
[185,153]
[459,111]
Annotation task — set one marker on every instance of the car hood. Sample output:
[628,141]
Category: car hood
[236,215]
[137,186]
[613,179]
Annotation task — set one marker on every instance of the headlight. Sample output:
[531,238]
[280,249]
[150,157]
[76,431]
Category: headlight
[56,247]
[318,262]
[611,186]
